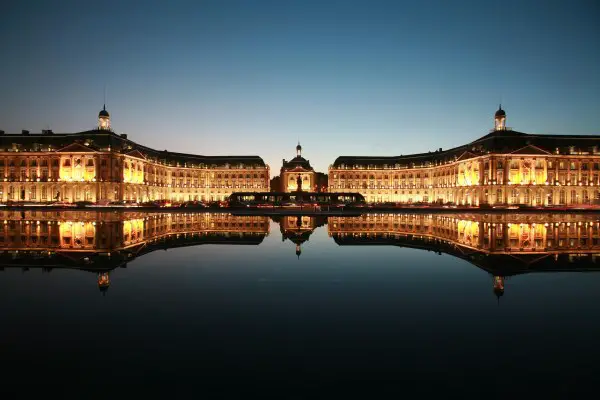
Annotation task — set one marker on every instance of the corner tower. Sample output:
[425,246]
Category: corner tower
[500,119]
[104,119]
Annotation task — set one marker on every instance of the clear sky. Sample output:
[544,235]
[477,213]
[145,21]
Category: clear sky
[251,77]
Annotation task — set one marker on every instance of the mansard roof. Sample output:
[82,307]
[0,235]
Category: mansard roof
[76,148]
[530,149]
[103,140]
[466,155]
[136,153]
[296,163]
[499,142]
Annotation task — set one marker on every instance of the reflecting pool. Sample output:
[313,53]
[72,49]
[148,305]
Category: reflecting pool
[216,304]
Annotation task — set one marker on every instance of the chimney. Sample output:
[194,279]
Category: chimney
[25,132]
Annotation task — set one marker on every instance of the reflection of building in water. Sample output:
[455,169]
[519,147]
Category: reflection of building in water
[102,241]
[502,244]
[500,168]
[100,165]
[498,286]
[298,228]
[103,281]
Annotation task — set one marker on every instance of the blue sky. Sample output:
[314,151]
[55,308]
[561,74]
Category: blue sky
[345,77]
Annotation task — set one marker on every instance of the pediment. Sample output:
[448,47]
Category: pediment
[529,259]
[76,148]
[299,168]
[530,149]
[137,154]
[466,155]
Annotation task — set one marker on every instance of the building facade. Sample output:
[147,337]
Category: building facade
[504,167]
[297,174]
[102,166]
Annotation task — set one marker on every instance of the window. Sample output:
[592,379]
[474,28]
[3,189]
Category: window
[539,164]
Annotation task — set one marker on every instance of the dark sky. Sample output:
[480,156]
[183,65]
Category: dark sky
[344,77]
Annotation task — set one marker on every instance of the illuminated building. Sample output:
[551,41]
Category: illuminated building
[101,166]
[297,171]
[504,167]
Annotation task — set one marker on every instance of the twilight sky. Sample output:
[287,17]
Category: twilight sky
[251,77]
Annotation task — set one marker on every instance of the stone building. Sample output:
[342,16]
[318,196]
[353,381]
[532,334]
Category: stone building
[504,167]
[101,166]
[297,167]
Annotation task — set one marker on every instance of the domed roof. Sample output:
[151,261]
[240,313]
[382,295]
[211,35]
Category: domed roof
[298,148]
[500,112]
[103,112]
